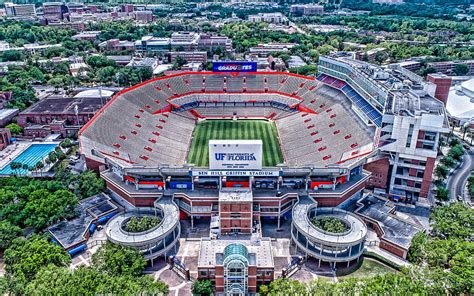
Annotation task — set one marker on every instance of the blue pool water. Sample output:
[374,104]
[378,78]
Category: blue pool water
[30,156]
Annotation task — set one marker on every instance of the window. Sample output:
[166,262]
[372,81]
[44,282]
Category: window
[410,135]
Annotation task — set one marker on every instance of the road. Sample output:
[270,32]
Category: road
[457,181]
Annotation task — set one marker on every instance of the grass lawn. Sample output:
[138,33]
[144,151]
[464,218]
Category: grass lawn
[234,130]
[368,268]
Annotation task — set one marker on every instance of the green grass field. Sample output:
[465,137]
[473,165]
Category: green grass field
[234,130]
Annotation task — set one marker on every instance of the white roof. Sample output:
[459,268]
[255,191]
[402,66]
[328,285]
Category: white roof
[162,68]
[460,106]
[94,93]
[468,85]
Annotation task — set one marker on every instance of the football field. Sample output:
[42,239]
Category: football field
[234,130]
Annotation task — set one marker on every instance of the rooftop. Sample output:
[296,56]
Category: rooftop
[394,229]
[71,232]
[65,105]
[236,195]
[259,252]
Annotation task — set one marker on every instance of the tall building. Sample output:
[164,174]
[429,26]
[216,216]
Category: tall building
[443,84]
[448,67]
[20,10]
[273,18]
[408,119]
[306,9]
[54,11]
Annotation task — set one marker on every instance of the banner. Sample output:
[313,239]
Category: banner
[235,173]
[234,66]
[235,154]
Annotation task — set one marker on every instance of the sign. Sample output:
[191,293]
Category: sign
[235,173]
[235,154]
[234,66]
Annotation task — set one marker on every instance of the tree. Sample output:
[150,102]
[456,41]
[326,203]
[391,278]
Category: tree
[284,286]
[12,55]
[456,152]
[442,194]
[25,258]
[453,221]
[15,129]
[448,161]
[54,280]
[52,157]
[66,143]
[116,260]
[441,171]
[44,208]
[15,166]
[202,287]
[426,71]
[86,184]
[56,82]
[461,69]
[8,232]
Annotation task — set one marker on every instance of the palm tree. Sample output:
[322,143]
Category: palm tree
[15,166]
[39,166]
[26,167]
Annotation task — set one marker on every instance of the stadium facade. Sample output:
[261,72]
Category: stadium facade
[351,127]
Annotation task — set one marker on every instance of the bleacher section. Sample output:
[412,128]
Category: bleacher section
[151,124]
[320,139]
[373,114]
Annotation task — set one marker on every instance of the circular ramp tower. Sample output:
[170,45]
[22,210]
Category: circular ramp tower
[335,248]
[154,242]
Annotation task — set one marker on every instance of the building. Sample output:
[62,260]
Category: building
[153,44]
[395,233]
[336,249]
[143,16]
[117,45]
[235,210]
[6,116]
[443,84]
[132,146]
[210,42]
[236,267]
[448,67]
[409,121]
[20,10]
[5,97]
[54,11]
[150,63]
[263,50]
[87,35]
[184,40]
[126,8]
[306,9]
[72,235]
[188,56]
[5,138]
[272,18]
[295,62]
[60,115]
[268,63]
[374,55]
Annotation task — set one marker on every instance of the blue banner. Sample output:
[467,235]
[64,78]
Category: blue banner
[234,66]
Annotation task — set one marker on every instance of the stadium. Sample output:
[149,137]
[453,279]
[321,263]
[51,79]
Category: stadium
[234,148]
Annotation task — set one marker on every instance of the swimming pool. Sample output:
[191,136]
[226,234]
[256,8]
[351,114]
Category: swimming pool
[31,156]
